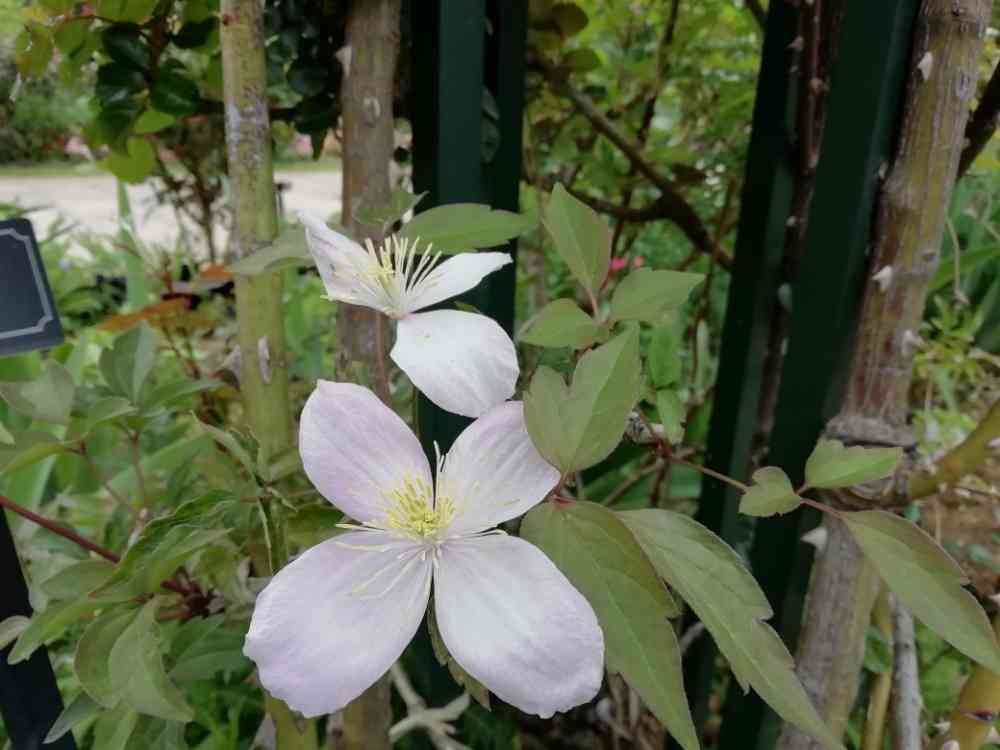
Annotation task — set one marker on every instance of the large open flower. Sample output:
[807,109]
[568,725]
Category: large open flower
[463,362]
[334,620]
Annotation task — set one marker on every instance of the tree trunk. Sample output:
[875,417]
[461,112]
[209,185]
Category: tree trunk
[263,371]
[367,94]
[908,232]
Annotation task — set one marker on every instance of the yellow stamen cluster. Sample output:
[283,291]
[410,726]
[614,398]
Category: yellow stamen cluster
[415,513]
[394,270]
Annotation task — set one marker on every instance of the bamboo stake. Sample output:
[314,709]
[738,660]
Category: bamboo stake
[263,373]
[878,705]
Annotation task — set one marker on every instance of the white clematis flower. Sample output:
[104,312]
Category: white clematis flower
[330,623]
[463,362]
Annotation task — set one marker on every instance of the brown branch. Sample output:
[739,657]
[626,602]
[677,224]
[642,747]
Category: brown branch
[983,123]
[670,205]
[81,541]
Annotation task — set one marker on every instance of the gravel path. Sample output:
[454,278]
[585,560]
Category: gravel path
[91,202]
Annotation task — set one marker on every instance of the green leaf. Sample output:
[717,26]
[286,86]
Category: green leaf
[458,227]
[56,7]
[124,44]
[673,413]
[174,94]
[81,709]
[230,443]
[600,557]
[113,729]
[164,544]
[31,447]
[152,121]
[715,582]
[772,493]
[127,365]
[156,734]
[105,410]
[48,397]
[136,668]
[288,249]
[194,34]
[561,323]
[664,362]
[170,393]
[93,651]
[71,35]
[136,164]
[125,10]
[647,295]
[33,50]
[578,426]
[204,647]
[469,683]
[307,78]
[581,60]
[570,18]
[48,625]
[581,238]
[832,465]
[116,83]
[78,579]
[11,629]
[927,581]
[400,203]
[5,437]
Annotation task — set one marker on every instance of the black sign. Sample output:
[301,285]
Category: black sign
[29,697]
[28,317]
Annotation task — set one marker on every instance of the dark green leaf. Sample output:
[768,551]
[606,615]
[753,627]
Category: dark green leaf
[307,78]
[174,94]
[469,683]
[195,33]
[561,323]
[927,581]
[458,227]
[124,44]
[715,582]
[599,556]
[116,83]
[581,60]
[125,10]
[570,18]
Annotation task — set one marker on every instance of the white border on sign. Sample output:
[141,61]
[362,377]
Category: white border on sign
[47,316]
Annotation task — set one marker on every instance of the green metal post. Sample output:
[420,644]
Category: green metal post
[866,86]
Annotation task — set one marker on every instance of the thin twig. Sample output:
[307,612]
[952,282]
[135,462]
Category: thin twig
[435,721]
[906,698]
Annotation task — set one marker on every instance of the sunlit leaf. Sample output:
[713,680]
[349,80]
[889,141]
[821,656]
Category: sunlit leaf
[832,465]
[561,323]
[600,557]
[772,493]
[715,582]
[927,581]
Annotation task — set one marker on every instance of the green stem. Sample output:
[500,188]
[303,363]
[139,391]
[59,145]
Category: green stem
[878,704]
[961,460]
[261,335]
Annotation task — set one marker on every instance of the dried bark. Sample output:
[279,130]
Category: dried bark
[367,95]
[909,228]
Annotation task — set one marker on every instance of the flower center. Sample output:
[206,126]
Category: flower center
[415,513]
[394,269]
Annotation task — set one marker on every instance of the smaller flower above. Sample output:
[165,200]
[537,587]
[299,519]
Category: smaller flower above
[334,620]
[463,362]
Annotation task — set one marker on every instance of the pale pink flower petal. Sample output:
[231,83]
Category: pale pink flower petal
[355,450]
[345,266]
[494,472]
[463,362]
[456,275]
[333,621]
[517,625]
